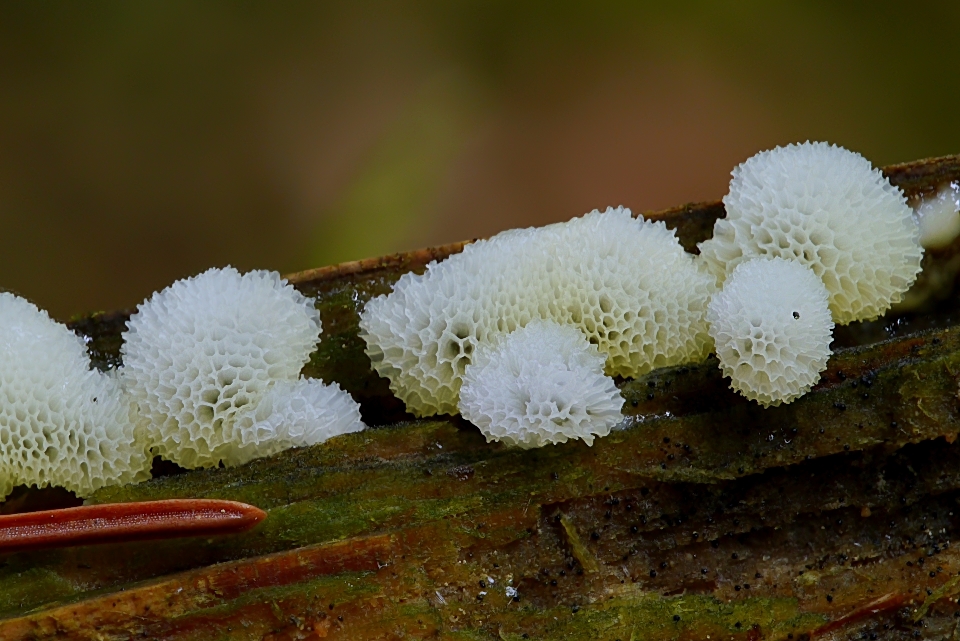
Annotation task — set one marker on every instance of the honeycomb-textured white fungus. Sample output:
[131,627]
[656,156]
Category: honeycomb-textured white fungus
[199,354]
[541,384]
[939,216]
[61,423]
[293,414]
[828,208]
[772,329]
[627,284]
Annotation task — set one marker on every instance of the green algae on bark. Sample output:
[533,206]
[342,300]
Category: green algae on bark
[756,584]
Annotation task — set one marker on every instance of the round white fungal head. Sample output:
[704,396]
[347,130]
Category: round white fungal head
[61,423]
[294,414]
[939,217]
[827,208]
[541,384]
[772,329]
[204,350]
[627,284]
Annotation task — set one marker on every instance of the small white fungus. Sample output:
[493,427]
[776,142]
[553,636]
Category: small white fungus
[61,423]
[205,350]
[772,329]
[541,384]
[626,283]
[939,216]
[294,414]
[827,208]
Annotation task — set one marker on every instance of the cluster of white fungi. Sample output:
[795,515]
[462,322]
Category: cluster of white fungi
[520,333]
[813,235]
[210,374]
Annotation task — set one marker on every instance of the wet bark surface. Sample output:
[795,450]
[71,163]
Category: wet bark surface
[704,516]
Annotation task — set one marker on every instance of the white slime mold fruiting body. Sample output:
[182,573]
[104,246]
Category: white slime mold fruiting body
[829,209]
[939,216]
[542,384]
[626,283]
[201,354]
[61,423]
[295,414]
[772,329]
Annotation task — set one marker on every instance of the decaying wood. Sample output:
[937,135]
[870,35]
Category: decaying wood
[704,517]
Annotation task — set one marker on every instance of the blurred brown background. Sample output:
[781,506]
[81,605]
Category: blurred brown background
[141,142]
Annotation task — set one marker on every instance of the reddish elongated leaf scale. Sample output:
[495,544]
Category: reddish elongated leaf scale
[886,602]
[121,522]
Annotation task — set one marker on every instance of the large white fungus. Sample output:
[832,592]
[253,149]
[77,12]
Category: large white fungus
[294,414]
[541,384]
[203,352]
[827,208]
[626,283]
[772,329]
[61,422]
[939,216]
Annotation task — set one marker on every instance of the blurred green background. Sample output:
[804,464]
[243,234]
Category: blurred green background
[141,142]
